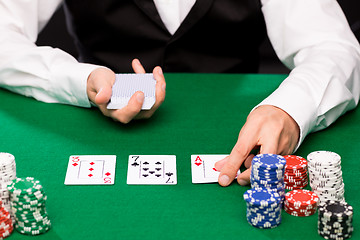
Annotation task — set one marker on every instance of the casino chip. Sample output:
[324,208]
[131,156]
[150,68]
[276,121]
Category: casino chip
[295,176]
[267,172]
[7,174]
[27,198]
[301,203]
[335,220]
[6,226]
[325,175]
[263,208]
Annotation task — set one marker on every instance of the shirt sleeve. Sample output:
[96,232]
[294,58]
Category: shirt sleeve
[45,73]
[313,38]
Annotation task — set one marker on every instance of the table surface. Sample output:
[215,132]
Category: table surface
[202,114]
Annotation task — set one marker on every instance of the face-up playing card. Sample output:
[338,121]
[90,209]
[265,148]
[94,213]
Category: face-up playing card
[152,170]
[127,84]
[203,168]
[91,170]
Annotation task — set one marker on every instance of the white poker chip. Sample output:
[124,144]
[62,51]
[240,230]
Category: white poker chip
[325,175]
[323,158]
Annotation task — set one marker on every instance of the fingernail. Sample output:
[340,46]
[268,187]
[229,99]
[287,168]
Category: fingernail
[243,182]
[224,180]
[160,71]
[99,91]
[140,97]
[163,87]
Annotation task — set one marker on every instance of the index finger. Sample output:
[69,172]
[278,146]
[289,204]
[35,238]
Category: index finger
[238,155]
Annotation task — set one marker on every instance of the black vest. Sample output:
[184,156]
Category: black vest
[216,36]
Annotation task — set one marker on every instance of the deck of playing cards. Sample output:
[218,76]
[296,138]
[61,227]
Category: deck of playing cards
[91,170]
[127,84]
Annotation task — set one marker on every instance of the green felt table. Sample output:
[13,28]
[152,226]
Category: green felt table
[202,114]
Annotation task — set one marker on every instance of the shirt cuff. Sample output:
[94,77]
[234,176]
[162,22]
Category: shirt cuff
[296,103]
[70,82]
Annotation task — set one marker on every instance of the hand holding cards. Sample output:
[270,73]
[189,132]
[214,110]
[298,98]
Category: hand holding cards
[127,84]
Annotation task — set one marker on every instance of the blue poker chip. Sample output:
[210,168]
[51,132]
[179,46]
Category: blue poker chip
[264,216]
[272,214]
[266,174]
[262,219]
[264,223]
[266,181]
[266,168]
[262,173]
[261,197]
[258,209]
[268,186]
[269,161]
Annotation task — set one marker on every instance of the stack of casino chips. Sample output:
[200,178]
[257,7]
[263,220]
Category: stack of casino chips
[267,172]
[325,175]
[7,174]
[295,176]
[335,220]
[27,198]
[263,208]
[301,203]
[6,226]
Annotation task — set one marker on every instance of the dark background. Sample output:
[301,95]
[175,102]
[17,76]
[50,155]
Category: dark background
[56,35]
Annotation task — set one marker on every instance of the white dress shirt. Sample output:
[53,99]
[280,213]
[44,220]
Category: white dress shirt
[311,37]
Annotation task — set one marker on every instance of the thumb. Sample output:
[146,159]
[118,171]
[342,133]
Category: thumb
[100,84]
[103,94]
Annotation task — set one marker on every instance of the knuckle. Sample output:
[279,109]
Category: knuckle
[121,118]
[239,152]
[124,120]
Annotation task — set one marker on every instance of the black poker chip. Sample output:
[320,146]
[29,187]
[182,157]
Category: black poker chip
[335,220]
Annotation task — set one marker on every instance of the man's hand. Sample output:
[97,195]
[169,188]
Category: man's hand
[99,89]
[268,128]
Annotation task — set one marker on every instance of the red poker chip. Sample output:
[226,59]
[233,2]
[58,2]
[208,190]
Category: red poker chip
[293,213]
[3,219]
[300,183]
[294,181]
[6,222]
[296,162]
[293,188]
[3,211]
[303,168]
[299,170]
[8,229]
[296,174]
[287,184]
[300,208]
[6,234]
[301,197]
[295,177]
[296,185]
